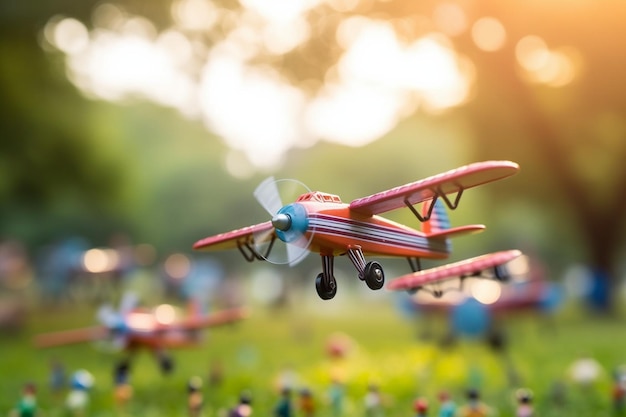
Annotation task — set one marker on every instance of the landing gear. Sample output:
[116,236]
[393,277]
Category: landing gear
[374,276]
[370,272]
[325,283]
[326,288]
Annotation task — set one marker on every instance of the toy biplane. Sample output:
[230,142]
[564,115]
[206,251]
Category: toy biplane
[322,223]
[131,328]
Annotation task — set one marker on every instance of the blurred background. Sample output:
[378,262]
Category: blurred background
[133,128]
[146,125]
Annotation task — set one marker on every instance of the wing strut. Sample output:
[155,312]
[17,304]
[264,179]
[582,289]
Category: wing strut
[415,264]
[452,205]
[250,254]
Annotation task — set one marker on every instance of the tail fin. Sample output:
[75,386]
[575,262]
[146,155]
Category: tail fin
[438,220]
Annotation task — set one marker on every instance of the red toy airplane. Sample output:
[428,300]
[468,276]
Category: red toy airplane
[131,328]
[321,223]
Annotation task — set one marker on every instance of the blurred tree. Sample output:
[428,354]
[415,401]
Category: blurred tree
[54,164]
[569,139]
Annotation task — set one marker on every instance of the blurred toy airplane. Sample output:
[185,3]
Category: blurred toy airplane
[131,328]
[479,308]
[321,223]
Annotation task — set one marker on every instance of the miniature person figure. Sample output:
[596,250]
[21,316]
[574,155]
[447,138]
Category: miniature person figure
[447,407]
[243,408]
[373,402]
[123,390]
[194,396]
[474,407]
[284,407]
[78,397]
[306,403]
[335,396]
[27,406]
[619,391]
[421,407]
[57,377]
[524,403]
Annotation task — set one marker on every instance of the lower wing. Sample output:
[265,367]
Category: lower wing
[68,337]
[236,238]
[465,268]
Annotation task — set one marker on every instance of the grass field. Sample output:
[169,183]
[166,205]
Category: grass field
[385,349]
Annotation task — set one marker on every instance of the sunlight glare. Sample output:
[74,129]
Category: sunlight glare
[555,68]
[450,19]
[254,110]
[108,16]
[353,114]
[532,53]
[70,36]
[195,15]
[488,34]
[380,78]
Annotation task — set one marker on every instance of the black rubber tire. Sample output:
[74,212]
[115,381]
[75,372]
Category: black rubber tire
[374,275]
[325,292]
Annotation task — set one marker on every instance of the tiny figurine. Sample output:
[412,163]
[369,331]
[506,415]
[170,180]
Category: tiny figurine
[194,397]
[321,222]
[335,396]
[373,402]
[474,407]
[57,377]
[524,403]
[123,390]
[619,391]
[78,397]
[284,407]
[421,407]
[306,402]
[27,406]
[243,408]
[216,374]
[130,328]
[447,407]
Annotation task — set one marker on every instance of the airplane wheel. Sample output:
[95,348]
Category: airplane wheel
[374,275]
[325,291]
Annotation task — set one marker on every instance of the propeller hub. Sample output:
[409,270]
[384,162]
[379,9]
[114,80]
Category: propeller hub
[291,222]
[281,221]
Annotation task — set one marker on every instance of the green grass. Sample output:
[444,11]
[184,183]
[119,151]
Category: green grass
[385,349]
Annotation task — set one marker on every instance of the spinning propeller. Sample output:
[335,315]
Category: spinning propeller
[290,222]
[115,322]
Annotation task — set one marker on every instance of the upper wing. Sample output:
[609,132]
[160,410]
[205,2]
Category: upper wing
[458,269]
[449,182]
[229,240]
[210,320]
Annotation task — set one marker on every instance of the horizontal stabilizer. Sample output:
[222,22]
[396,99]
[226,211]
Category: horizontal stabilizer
[457,231]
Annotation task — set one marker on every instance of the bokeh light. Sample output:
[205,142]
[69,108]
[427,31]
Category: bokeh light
[486,291]
[177,266]
[380,77]
[488,34]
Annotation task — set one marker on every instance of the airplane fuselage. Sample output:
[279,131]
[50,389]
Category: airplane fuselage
[333,227]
